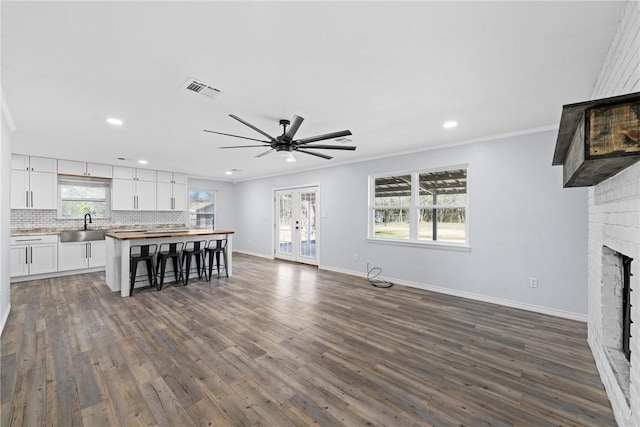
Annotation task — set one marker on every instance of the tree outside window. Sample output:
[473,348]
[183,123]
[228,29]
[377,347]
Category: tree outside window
[420,206]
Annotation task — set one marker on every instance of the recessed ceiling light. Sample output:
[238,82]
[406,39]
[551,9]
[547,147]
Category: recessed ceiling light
[450,124]
[114,121]
[143,162]
[228,172]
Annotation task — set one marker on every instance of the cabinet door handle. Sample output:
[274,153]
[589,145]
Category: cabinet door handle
[26,255]
[86,250]
[32,199]
[27,197]
[31,256]
[89,246]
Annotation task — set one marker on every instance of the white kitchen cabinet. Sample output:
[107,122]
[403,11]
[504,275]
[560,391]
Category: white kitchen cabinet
[19,260]
[172,191]
[33,255]
[96,170]
[135,192]
[97,253]
[81,255]
[33,164]
[134,174]
[72,256]
[123,195]
[34,183]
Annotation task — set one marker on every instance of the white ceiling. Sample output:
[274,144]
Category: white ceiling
[390,72]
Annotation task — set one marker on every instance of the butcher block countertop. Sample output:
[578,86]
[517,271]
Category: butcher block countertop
[154,234]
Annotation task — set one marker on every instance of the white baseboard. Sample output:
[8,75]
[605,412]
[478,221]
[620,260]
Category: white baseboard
[253,254]
[4,318]
[56,274]
[462,294]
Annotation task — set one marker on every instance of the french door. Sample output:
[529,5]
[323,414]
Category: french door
[296,228]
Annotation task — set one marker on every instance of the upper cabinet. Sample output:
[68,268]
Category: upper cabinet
[34,182]
[69,167]
[172,191]
[133,189]
[134,174]
[33,164]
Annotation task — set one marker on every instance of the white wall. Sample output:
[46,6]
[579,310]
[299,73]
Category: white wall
[5,204]
[614,221]
[5,209]
[522,224]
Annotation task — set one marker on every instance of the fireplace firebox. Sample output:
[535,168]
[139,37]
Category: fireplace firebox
[626,306]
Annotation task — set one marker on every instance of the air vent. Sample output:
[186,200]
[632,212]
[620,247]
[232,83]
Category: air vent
[196,86]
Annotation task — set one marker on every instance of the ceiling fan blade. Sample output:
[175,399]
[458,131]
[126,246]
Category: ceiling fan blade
[252,127]
[265,153]
[332,135]
[243,146]
[293,128]
[331,147]
[236,136]
[324,156]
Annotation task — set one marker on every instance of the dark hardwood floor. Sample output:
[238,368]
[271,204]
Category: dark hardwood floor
[281,344]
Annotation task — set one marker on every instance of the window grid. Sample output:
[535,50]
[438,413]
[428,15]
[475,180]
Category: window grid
[442,221]
[77,197]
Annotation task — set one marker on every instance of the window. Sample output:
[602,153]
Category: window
[420,206]
[79,196]
[202,208]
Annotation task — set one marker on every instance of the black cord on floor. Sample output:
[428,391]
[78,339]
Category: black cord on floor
[374,272]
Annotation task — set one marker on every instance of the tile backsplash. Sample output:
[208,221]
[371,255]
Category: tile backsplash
[25,219]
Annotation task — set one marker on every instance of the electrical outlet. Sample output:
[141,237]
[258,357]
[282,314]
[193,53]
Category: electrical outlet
[533,282]
[355,257]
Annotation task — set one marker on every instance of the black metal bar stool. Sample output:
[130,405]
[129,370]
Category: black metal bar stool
[214,248]
[167,251]
[144,253]
[193,249]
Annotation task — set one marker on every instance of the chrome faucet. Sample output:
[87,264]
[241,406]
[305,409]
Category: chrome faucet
[85,220]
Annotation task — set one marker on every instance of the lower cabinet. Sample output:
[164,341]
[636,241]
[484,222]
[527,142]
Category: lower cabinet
[81,255]
[33,255]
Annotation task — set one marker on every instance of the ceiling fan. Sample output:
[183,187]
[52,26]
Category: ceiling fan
[286,143]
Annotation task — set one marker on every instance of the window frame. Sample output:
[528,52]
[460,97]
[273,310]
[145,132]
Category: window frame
[414,209]
[214,194]
[63,179]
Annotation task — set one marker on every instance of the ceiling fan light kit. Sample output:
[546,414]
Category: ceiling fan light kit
[286,143]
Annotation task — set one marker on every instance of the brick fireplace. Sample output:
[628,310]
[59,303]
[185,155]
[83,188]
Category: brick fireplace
[614,235]
[614,227]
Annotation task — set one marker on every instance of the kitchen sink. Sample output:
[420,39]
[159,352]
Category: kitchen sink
[81,235]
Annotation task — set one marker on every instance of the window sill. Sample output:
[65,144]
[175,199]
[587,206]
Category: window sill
[463,247]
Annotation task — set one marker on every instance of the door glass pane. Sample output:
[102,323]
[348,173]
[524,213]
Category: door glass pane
[285,236]
[307,224]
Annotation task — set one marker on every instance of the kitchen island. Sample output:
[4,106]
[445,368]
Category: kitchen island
[119,242]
